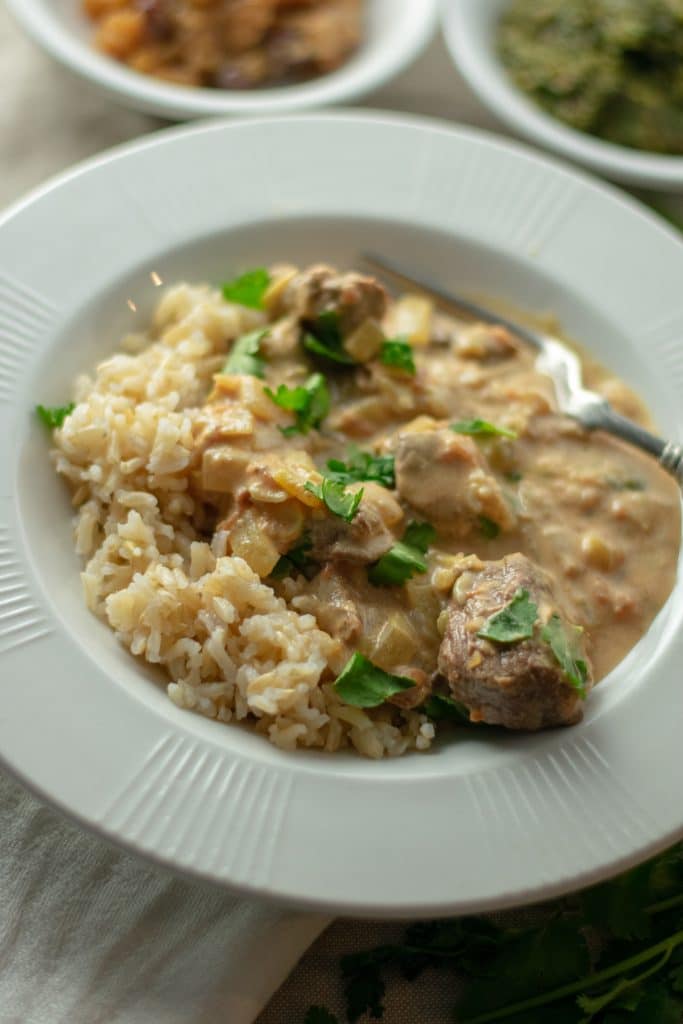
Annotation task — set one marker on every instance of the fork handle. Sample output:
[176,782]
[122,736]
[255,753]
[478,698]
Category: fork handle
[669,454]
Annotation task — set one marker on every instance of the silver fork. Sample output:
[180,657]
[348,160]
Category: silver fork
[556,361]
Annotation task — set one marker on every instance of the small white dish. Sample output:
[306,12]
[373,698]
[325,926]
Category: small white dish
[470,30]
[480,822]
[395,34]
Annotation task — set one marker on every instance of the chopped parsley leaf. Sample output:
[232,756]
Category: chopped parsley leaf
[336,498]
[248,289]
[363,466]
[398,353]
[405,559]
[363,685]
[512,623]
[482,428]
[563,642]
[443,709]
[53,416]
[296,560]
[244,356]
[487,526]
[310,403]
[323,338]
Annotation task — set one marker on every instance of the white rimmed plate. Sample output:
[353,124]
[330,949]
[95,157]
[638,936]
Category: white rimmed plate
[479,822]
[395,32]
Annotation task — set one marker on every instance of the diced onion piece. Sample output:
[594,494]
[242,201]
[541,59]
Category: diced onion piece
[364,343]
[293,472]
[412,319]
[224,469]
[397,641]
[249,541]
[281,277]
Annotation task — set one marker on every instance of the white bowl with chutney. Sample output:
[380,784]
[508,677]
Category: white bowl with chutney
[471,28]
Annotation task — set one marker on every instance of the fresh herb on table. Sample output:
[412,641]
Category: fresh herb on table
[489,529]
[53,416]
[364,685]
[310,403]
[398,353]
[324,338]
[297,560]
[482,428]
[512,623]
[336,498]
[547,974]
[405,559]
[244,356]
[363,466]
[248,289]
[563,642]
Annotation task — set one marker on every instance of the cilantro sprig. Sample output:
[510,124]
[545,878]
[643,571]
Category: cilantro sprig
[336,498]
[363,685]
[398,353]
[548,972]
[248,289]
[482,428]
[405,559]
[53,416]
[310,403]
[362,466]
[323,338]
[245,356]
[512,623]
[297,559]
[564,643]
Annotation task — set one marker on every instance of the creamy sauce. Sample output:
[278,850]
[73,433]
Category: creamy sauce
[599,516]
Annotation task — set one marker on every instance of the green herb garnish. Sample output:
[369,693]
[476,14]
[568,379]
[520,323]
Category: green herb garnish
[487,526]
[53,416]
[482,428]
[405,559]
[627,484]
[514,476]
[244,356]
[512,623]
[398,353]
[248,289]
[310,403]
[364,685]
[563,642]
[324,338]
[363,466]
[443,709]
[336,498]
[296,560]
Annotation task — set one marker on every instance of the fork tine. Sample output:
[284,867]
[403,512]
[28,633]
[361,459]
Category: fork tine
[449,301]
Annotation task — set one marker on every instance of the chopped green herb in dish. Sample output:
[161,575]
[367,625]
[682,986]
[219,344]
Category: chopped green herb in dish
[297,560]
[324,338]
[405,559]
[564,643]
[54,416]
[444,709]
[513,623]
[489,529]
[398,353]
[310,403]
[364,685]
[244,356]
[482,428]
[248,289]
[337,499]
[363,466]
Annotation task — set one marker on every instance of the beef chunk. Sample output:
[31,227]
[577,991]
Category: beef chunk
[519,685]
[354,297]
[445,477]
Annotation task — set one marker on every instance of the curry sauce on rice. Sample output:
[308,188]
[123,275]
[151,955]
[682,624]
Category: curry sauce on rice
[348,520]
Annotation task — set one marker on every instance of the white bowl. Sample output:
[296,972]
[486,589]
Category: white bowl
[498,820]
[470,29]
[396,32]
